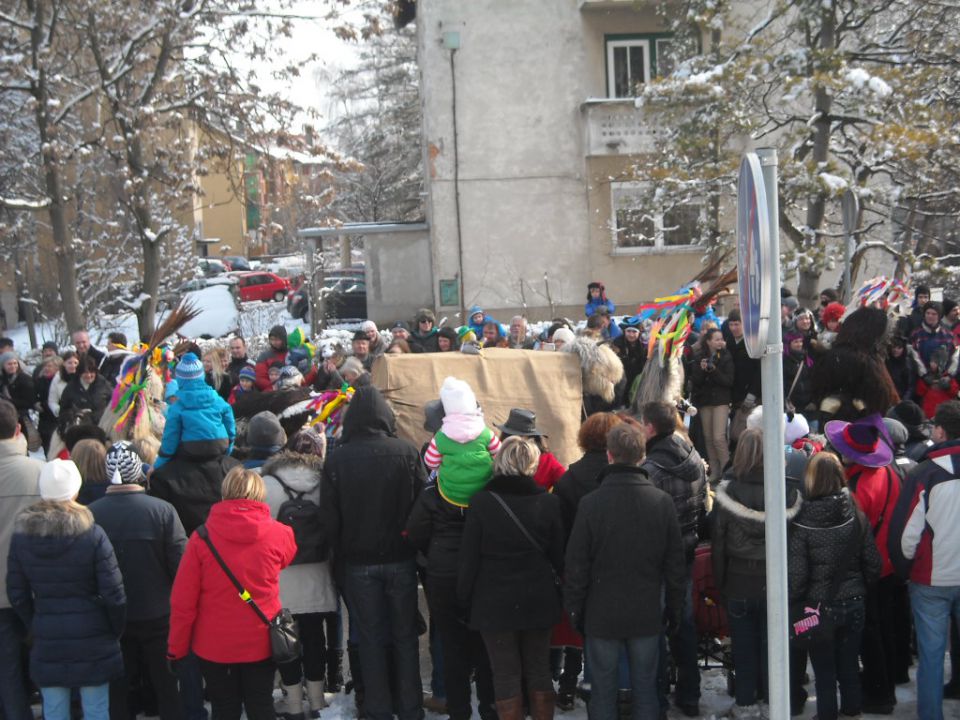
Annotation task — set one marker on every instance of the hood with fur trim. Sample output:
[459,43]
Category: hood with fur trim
[49,518]
[300,473]
[738,509]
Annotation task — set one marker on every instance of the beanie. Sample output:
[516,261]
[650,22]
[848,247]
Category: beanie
[368,325]
[909,413]
[564,335]
[948,305]
[265,432]
[247,373]
[7,357]
[309,442]
[189,368]
[124,466]
[790,302]
[290,377]
[360,335]
[60,480]
[897,431]
[457,397]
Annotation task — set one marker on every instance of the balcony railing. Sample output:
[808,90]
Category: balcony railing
[618,127]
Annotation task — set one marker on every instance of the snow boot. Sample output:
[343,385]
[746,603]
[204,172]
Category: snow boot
[291,707]
[316,698]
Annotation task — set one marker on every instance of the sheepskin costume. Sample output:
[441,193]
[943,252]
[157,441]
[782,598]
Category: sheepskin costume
[599,365]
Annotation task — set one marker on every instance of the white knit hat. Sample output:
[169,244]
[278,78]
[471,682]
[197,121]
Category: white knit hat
[564,335]
[457,397]
[60,480]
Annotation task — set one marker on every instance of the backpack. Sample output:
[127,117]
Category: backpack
[303,515]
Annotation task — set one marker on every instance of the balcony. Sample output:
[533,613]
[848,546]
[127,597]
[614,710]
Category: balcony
[618,127]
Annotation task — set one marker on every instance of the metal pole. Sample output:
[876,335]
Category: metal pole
[774,478]
[847,262]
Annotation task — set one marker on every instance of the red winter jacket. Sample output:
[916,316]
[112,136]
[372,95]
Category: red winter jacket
[933,396]
[876,491]
[206,613]
[549,470]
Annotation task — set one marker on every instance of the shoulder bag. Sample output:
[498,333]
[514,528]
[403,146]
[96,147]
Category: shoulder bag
[814,625]
[284,636]
[557,581]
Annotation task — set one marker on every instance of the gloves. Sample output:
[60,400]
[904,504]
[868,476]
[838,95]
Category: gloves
[944,383]
[172,664]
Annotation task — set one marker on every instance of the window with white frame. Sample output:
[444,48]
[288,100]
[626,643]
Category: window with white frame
[638,225]
[633,60]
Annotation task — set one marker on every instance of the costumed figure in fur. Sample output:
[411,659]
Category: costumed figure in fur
[601,370]
[851,380]
[673,320]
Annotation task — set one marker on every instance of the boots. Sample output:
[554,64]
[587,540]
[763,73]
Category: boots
[511,708]
[291,707]
[542,704]
[624,704]
[316,698]
[334,670]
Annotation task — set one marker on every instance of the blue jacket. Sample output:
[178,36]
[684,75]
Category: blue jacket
[478,329]
[64,583]
[197,421]
[591,307]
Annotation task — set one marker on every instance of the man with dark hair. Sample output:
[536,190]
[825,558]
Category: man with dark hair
[624,551]
[370,483]
[6,344]
[117,353]
[924,546]
[19,487]
[238,360]
[674,466]
[746,390]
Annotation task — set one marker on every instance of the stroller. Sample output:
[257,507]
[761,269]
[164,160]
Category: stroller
[710,618]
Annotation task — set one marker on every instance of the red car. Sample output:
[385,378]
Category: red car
[257,285]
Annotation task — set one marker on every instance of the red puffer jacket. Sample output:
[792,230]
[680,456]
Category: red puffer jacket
[876,491]
[206,613]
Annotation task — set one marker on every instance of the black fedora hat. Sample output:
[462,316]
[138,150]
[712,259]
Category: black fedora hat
[521,422]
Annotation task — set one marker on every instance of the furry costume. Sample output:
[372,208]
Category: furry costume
[600,367]
[851,379]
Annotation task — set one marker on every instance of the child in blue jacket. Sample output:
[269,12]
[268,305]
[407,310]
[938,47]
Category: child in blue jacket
[596,298]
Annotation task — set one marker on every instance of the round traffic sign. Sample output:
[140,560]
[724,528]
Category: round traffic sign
[753,261]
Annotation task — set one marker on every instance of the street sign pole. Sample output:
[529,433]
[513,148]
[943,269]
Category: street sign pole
[774,486]
[850,208]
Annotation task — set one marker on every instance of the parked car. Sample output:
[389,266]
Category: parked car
[203,282]
[238,262]
[259,285]
[211,266]
[345,297]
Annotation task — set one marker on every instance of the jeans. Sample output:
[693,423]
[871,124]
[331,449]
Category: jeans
[13,691]
[383,600]
[95,700]
[932,609]
[144,643]
[838,661]
[683,649]
[604,657]
[190,680]
[235,688]
[516,654]
[748,636]
[463,654]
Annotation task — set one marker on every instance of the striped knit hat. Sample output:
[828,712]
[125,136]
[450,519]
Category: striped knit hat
[124,466]
[189,368]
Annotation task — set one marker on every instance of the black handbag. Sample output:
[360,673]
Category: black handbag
[284,635]
[814,625]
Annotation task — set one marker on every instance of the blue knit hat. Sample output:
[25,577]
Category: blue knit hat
[189,368]
[247,372]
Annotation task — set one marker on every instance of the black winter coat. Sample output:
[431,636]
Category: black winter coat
[435,528]
[739,543]
[64,583]
[149,541]
[746,370]
[191,485]
[903,374]
[505,581]
[674,466]
[802,394]
[633,358]
[624,550]
[819,538]
[711,387]
[581,478]
[18,389]
[94,398]
[370,483]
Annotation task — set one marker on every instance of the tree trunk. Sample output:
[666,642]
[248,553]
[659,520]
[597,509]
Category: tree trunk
[149,242]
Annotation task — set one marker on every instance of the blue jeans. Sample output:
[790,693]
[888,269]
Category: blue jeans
[838,661]
[14,703]
[932,608]
[95,700]
[748,636]
[383,598]
[604,654]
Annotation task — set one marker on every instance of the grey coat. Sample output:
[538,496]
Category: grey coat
[19,488]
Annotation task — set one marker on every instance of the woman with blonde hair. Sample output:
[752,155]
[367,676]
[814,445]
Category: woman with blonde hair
[214,371]
[208,616]
[510,557]
[832,558]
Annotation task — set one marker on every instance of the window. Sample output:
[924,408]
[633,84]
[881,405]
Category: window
[633,60]
[638,225]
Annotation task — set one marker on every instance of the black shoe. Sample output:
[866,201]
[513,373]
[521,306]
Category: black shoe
[565,700]
[951,691]
[876,707]
[690,709]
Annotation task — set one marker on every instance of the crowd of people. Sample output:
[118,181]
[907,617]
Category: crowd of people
[154,575]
